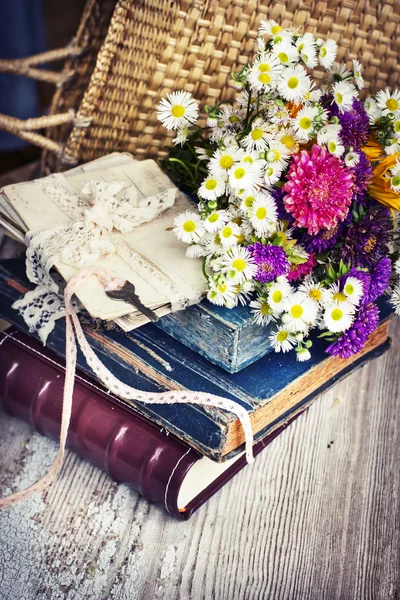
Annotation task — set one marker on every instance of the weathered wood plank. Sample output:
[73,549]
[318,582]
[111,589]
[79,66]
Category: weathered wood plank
[318,516]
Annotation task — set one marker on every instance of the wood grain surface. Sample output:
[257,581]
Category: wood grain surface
[317,516]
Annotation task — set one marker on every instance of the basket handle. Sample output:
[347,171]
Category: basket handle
[27,66]
[27,129]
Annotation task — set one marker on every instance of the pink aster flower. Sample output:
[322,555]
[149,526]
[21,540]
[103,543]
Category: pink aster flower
[298,271]
[318,190]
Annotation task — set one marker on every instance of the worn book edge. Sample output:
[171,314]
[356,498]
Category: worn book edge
[290,398]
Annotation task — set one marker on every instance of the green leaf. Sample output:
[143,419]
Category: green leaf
[325,334]
[297,260]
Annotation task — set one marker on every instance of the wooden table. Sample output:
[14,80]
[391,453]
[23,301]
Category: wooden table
[317,516]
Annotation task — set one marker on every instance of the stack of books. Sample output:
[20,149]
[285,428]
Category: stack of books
[176,456]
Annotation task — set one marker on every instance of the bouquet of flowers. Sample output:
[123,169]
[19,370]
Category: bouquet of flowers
[298,185]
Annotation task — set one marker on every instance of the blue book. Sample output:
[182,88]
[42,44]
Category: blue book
[273,390]
[228,338]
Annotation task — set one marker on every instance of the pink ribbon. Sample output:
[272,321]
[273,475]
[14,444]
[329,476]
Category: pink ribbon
[74,332]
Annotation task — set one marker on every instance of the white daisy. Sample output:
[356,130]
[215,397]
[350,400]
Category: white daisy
[358,78]
[372,110]
[313,289]
[279,116]
[238,263]
[304,122]
[177,110]
[261,45]
[388,102]
[396,127]
[335,146]
[301,312]
[395,299]
[264,72]
[211,188]
[339,71]
[195,251]
[282,340]
[351,159]
[293,83]
[397,266]
[182,136]
[307,39]
[308,53]
[262,311]
[269,27]
[257,138]
[212,120]
[263,214]
[188,227]
[202,153]
[230,116]
[229,234]
[222,294]
[282,36]
[285,52]
[244,292]
[243,98]
[327,53]
[395,170]
[328,132]
[353,290]
[216,220]
[273,173]
[394,147]
[343,95]
[244,175]
[277,294]
[212,244]
[303,354]
[313,94]
[277,153]
[253,158]
[223,160]
[246,203]
[334,295]
[289,138]
[395,177]
[339,316]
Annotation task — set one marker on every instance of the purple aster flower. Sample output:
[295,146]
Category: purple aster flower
[354,122]
[298,271]
[380,277]
[367,240]
[271,261]
[364,277]
[324,239]
[353,340]
[363,175]
[278,195]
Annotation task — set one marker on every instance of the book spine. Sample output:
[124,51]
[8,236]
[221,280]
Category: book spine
[126,445]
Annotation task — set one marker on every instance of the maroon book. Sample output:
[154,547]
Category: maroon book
[110,435]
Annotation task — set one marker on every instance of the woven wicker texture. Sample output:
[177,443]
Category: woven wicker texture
[153,47]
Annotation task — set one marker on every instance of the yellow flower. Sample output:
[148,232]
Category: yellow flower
[373,149]
[380,185]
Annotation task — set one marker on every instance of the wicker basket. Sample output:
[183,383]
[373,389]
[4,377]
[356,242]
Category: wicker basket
[127,55]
